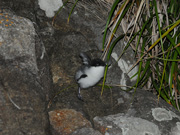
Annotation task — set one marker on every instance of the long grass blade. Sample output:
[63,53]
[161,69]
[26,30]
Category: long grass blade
[108,58]
[155,43]
[72,10]
[108,21]
[115,25]
[59,11]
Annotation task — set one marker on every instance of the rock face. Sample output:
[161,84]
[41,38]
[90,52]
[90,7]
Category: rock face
[86,131]
[120,124]
[26,84]
[23,93]
[66,121]
[143,117]
[17,38]
[83,33]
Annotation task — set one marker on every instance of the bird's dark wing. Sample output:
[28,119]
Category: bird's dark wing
[85,58]
[82,76]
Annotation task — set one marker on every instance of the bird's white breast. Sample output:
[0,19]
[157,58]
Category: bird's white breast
[94,74]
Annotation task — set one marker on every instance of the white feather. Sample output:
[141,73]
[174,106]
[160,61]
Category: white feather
[94,75]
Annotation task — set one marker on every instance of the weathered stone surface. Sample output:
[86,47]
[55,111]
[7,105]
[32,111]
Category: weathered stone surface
[143,117]
[66,121]
[120,124]
[17,39]
[25,78]
[86,131]
[24,89]
[21,8]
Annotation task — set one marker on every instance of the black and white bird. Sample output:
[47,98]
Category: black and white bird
[90,73]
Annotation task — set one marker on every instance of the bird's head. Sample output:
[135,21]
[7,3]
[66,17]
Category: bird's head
[97,62]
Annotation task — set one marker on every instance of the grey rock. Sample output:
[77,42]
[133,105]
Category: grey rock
[66,121]
[127,125]
[86,131]
[24,78]
[143,117]
[17,41]
[176,129]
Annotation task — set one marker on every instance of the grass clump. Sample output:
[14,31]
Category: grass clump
[151,29]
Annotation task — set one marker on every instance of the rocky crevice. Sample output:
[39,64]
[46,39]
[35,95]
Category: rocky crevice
[38,60]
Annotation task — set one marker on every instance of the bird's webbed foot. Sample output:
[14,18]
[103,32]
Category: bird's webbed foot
[79,95]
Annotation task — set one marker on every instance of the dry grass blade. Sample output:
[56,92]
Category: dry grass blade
[135,22]
[111,35]
[154,44]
